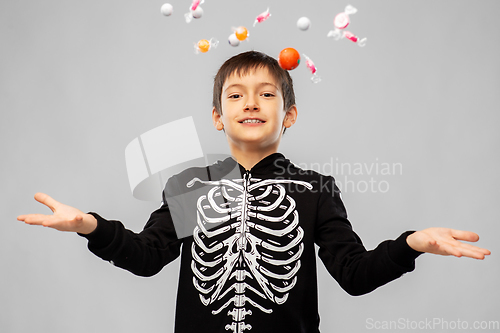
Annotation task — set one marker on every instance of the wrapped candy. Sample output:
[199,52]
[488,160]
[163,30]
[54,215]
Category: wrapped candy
[195,11]
[195,4]
[241,33]
[310,65]
[204,45]
[341,21]
[349,35]
[262,17]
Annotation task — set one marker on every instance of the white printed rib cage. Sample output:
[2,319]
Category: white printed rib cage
[253,253]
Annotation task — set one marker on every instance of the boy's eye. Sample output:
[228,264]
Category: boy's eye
[234,96]
[267,95]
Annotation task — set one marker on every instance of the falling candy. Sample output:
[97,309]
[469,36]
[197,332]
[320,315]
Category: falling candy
[196,3]
[354,38]
[233,40]
[204,45]
[310,64]
[241,33]
[289,58]
[167,9]
[341,21]
[195,11]
[303,23]
[262,17]
[349,35]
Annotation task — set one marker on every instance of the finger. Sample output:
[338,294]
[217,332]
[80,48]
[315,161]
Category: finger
[472,254]
[485,251]
[29,216]
[46,200]
[468,236]
[470,247]
[35,219]
[475,249]
[459,249]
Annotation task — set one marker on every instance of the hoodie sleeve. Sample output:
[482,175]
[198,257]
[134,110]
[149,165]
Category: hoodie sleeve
[144,253]
[357,270]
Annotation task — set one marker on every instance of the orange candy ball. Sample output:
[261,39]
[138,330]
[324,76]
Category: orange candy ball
[289,58]
[203,45]
[241,33]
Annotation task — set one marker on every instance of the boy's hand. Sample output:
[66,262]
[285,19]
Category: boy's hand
[445,242]
[65,218]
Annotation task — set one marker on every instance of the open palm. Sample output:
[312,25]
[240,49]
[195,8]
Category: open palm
[64,217]
[445,241]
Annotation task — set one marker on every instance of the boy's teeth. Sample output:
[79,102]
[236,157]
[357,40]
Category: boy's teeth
[252,121]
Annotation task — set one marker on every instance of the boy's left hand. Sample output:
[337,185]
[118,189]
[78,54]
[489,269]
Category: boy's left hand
[446,242]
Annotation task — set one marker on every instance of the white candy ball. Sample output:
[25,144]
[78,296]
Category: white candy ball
[303,23]
[233,40]
[197,13]
[167,9]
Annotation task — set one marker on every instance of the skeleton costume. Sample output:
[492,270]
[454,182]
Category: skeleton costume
[248,261]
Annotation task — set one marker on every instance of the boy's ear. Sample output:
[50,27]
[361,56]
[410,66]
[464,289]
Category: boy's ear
[290,117]
[217,120]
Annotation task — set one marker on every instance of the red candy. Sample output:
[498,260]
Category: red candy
[341,21]
[350,36]
[289,58]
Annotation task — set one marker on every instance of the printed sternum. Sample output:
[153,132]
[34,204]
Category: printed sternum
[243,228]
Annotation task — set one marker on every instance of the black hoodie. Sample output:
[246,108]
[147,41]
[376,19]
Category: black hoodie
[248,261]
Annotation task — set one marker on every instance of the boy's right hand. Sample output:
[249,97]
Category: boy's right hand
[65,218]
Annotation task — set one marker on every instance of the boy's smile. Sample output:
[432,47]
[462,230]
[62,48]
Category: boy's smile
[253,115]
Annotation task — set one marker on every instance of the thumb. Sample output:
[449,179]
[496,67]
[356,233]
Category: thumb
[46,200]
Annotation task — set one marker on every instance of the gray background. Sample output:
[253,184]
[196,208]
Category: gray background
[80,79]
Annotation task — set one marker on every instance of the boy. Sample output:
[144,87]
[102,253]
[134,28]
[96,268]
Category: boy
[248,262]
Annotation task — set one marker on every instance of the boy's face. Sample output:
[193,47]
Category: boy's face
[252,111]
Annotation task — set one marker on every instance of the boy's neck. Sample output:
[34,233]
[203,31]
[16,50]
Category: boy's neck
[249,158]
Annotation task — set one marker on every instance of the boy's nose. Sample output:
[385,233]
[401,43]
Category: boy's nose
[251,107]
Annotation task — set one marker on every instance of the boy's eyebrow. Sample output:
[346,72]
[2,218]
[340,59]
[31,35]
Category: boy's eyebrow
[258,85]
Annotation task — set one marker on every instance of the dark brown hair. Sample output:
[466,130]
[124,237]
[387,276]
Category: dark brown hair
[244,62]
